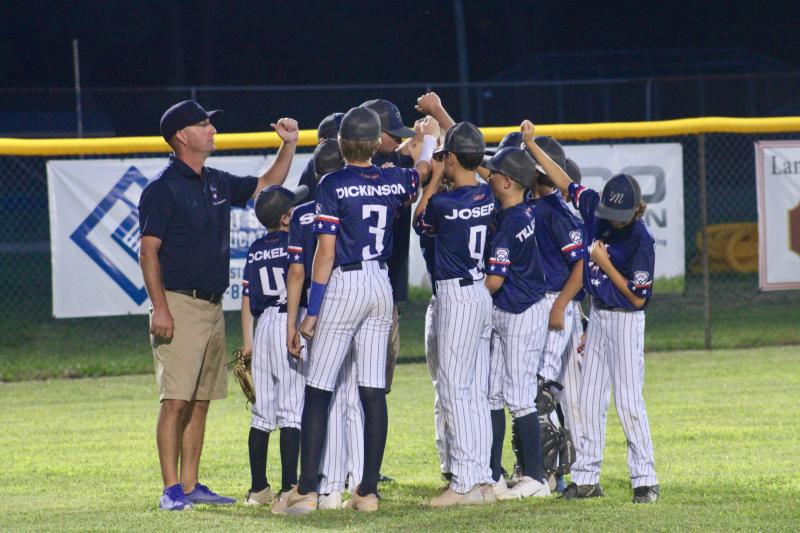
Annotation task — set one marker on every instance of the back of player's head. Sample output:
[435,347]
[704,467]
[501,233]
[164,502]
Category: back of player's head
[329,126]
[515,163]
[327,157]
[466,142]
[275,201]
[621,199]
[359,134]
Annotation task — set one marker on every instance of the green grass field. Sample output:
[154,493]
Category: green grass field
[35,346]
[79,455]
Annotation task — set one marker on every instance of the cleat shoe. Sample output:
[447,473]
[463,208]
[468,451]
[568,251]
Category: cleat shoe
[500,487]
[515,476]
[173,499]
[202,494]
[262,497]
[328,502]
[279,503]
[646,494]
[384,479]
[560,485]
[299,504]
[364,504]
[487,492]
[451,497]
[526,488]
[579,492]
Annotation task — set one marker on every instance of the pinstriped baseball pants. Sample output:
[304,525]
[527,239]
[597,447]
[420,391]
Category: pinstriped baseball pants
[561,362]
[614,355]
[354,322]
[343,454]
[518,342]
[462,318]
[277,376]
[432,358]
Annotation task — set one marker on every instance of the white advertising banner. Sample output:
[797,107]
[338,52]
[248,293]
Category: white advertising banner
[778,186]
[94,231]
[659,170]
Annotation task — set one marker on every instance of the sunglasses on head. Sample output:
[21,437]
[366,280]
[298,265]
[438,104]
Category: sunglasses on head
[440,155]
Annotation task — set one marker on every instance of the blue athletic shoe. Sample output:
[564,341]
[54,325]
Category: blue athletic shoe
[202,494]
[174,499]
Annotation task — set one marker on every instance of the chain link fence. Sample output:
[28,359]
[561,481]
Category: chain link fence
[726,309]
[127,111]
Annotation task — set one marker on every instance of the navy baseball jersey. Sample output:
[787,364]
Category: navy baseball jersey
[459,220]
[514,255]
[559,237]
[264,280]
[358,205]
[302,241]
[631,250]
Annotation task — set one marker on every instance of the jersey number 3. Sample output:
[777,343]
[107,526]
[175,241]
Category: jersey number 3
[378,230]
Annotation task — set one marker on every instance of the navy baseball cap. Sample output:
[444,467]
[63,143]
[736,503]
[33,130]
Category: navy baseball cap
[515,163]
[391,121]
[573,171]
[620,199]
[185,114]
[327,157]
[360,124]
[463,138]
[275,201]
[329,126]
[553,149]
[513,139]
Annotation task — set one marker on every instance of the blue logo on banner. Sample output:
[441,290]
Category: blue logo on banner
[116,217]
[125,234]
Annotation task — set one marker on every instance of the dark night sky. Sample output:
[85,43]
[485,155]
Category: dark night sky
[248,42]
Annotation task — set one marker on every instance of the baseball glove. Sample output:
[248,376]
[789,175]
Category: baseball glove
[242,370]
[551,445]
[566,453]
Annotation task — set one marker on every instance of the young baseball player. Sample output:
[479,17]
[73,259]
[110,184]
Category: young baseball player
[619,280]
[559,238]
[349,309]
[516,282]
[458,221]
[277,377]
[343,455]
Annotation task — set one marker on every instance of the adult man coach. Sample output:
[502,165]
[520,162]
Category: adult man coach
[184,215]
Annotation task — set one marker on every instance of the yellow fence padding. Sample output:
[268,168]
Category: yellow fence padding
[563,132]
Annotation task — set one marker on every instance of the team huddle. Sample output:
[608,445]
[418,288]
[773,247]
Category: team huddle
[509,264]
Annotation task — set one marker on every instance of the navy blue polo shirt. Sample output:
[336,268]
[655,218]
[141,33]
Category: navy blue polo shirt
[191,214]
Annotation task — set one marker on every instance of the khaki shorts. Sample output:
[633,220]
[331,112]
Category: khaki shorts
[191,365]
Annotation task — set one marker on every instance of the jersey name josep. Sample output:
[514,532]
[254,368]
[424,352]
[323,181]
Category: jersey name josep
[459,221]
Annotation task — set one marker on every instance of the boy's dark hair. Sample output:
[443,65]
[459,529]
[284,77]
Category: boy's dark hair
[469,161]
